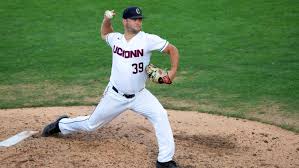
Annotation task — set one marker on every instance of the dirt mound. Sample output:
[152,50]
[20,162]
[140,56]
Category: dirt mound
[202,140]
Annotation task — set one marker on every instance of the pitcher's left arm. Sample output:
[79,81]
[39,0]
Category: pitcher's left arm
[173,53]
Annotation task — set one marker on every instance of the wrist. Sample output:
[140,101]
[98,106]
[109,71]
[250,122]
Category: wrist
[106,19]
[171,74]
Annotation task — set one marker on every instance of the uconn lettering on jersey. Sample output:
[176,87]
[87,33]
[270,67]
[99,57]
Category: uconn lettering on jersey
[127,54]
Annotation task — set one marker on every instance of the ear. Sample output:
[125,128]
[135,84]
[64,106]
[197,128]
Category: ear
[124,21]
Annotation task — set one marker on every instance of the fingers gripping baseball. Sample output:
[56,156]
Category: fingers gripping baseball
[109,14]
[157,75]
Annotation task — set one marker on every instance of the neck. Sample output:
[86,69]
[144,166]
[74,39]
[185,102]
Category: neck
[129,35]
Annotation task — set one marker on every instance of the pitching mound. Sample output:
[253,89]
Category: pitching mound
[202,140]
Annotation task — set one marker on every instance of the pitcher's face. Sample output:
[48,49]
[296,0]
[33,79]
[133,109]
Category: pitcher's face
[133,25]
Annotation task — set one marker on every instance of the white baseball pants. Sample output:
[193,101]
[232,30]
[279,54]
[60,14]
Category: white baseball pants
[113,104]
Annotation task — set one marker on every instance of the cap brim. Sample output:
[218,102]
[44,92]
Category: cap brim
[136,17]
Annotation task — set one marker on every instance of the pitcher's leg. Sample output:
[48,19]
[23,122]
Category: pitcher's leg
[147,105]
[108,108]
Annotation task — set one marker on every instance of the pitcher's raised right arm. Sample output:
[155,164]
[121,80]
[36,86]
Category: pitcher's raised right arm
[106,26]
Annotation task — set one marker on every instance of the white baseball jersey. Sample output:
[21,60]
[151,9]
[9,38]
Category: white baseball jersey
[130,59]
[128,76]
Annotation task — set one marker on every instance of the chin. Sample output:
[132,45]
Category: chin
[136,31]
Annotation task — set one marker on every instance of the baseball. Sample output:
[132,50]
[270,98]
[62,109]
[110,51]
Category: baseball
[109,14]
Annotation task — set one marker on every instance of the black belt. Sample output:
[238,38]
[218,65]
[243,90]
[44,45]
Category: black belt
[128,96]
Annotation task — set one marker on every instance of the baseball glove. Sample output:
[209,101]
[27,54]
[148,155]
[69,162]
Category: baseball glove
[157,75]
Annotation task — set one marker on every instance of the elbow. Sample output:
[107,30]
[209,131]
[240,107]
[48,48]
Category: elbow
[174,51]
[103,34]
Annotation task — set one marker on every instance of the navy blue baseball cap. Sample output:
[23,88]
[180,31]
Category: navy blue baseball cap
[132,13]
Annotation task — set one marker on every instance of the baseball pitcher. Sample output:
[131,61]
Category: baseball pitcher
[131,53]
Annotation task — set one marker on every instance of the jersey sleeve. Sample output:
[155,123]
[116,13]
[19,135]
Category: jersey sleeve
[155,42]
[111,37]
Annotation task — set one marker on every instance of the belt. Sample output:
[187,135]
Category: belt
[128,96]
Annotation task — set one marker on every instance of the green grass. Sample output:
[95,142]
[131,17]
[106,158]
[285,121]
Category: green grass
[237,58]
